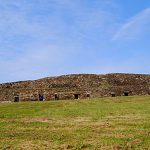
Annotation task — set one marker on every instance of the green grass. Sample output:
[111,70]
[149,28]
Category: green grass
[120,123]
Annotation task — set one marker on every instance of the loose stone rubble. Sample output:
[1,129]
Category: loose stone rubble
[77,86]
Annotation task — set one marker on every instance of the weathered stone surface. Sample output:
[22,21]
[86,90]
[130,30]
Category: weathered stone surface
[76,86]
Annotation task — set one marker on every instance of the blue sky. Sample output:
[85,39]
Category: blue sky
[40,38]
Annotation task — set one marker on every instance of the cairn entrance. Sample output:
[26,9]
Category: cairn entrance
[76,96]
[88,95]
[126,93]
[56,97]
[41,97]
[113,94]
[16,99]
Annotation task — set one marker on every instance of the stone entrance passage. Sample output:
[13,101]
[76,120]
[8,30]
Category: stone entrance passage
[126,93]
[76,96]
[16,99]
[41,97]
[113,94]
[56,97]
[88,95]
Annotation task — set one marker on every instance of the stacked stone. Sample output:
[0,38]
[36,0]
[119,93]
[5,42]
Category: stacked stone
[76,86]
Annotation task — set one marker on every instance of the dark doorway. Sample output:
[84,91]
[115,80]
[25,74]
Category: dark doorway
[88,95]
[113,94]
[126,93]
[41,97]
[76,96]
[16,99]
[56,97]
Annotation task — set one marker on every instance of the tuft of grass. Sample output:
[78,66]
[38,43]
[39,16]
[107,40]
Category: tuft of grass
[104,123]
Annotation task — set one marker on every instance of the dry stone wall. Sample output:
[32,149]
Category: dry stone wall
[76,87]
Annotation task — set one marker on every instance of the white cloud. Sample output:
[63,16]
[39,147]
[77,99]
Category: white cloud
[135,27]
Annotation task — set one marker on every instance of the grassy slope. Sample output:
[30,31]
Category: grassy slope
[105,123]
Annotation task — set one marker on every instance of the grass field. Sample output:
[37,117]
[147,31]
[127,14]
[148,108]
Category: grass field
[120,123]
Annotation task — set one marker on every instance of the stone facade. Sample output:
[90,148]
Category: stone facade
[76,87]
